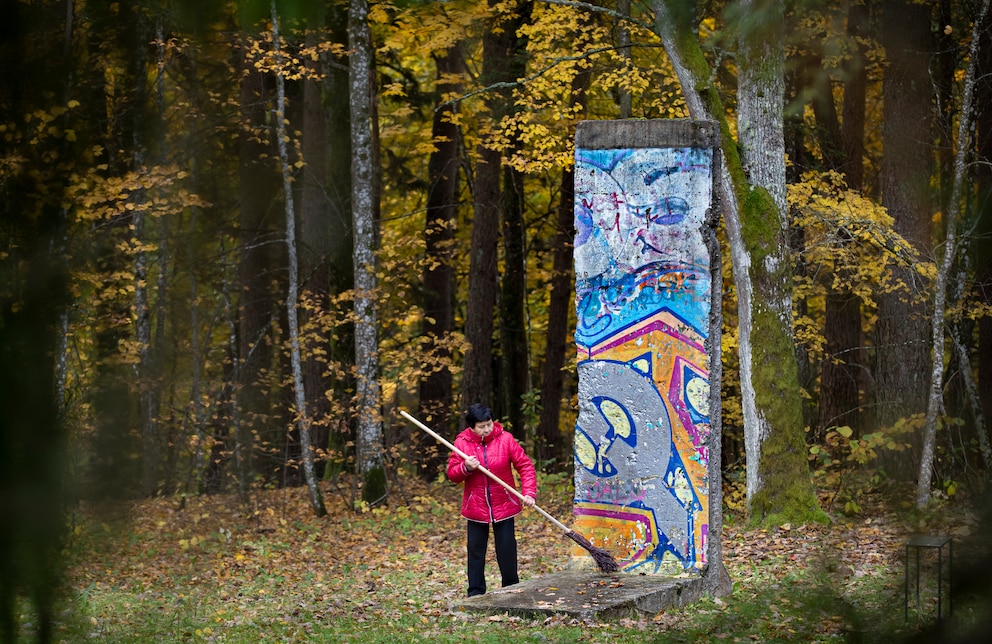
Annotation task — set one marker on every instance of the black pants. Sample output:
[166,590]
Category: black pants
[506,554]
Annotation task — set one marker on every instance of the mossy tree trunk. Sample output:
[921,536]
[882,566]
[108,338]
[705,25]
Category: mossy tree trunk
[778,489]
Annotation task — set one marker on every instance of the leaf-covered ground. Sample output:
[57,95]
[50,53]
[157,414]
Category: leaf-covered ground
[207,569]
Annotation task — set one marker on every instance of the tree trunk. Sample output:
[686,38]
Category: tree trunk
[841,380]
[855,90]
[145,376]
[779,486]
[794,130]
[515,363]
[982,172]
[163,257]
[368,396]
[239,432]
[477,377]
[315,248]
[254,272]
[34,301]
[292,293]
[551,444]
[514,345]
[340,260]
[901,347]
[935,398]
[436,394]
[779,489]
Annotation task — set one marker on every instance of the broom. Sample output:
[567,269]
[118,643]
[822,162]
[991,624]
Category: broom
[603,559]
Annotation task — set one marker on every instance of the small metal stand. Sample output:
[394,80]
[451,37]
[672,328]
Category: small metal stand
[918,542]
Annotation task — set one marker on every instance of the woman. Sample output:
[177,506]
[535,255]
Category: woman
[486,502]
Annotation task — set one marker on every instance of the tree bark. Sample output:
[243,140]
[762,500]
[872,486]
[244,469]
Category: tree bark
[436,395]
[779,489]
[775,443]
[256,301]
[340,256]
[514,345]
[982,173]
[550,445]
[477,377]
[935,398]
[145,376]
[855,91]
[369,444]
[514,353]
[901,347]
[841,374]
[315,229]
[292,292]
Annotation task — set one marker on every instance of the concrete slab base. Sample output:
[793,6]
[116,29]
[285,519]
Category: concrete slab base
[588,594]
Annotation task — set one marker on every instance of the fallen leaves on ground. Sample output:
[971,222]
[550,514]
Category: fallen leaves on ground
[274,568]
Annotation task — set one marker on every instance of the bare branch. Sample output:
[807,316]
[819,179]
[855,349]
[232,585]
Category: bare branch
[596,9]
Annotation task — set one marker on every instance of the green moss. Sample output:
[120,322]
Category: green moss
[761,228]
[374,488]
[787,494]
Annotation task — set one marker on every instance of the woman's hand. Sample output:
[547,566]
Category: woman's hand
[471,463]
[528,500]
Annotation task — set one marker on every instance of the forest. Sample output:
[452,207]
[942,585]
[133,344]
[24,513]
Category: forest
[239,237]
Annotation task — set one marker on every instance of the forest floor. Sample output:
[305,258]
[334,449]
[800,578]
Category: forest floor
[207,569]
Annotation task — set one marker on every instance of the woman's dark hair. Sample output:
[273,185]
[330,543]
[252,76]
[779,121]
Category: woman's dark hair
[478,413]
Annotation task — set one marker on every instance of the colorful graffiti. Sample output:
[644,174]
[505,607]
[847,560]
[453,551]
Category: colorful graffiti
[643,305]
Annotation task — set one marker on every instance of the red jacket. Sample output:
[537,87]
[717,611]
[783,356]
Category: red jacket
[483,499]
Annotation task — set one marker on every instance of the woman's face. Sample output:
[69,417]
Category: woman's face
[483,428]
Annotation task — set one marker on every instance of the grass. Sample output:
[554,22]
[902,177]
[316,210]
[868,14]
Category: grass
[211,571]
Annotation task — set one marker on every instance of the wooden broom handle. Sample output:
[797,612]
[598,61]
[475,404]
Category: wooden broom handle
[509,488]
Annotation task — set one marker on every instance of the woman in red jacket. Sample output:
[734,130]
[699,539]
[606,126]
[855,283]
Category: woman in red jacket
[484,501]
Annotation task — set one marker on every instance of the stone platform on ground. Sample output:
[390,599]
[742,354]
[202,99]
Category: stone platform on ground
[588,594]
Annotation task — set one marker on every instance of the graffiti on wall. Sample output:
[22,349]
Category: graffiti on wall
[643,304]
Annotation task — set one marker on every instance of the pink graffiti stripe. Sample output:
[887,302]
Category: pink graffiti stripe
[627,515]
[675,393]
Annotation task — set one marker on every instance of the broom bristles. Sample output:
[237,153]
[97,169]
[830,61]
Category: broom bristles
[603,559]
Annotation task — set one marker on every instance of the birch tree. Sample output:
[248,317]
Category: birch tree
[292,294]
[363,208]
[778,485]
[935,398]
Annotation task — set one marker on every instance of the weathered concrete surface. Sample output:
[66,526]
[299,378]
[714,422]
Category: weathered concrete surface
[648,347]
[586,594]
